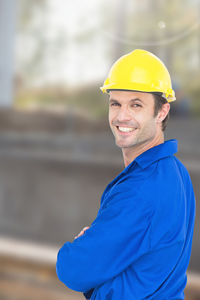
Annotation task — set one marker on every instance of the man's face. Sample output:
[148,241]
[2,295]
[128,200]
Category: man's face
[131,118]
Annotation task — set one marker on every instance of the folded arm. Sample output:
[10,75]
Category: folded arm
[118,236]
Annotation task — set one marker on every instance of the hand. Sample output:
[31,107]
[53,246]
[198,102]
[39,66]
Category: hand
[82,232]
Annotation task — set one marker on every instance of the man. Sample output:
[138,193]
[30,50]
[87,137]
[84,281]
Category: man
[139,245]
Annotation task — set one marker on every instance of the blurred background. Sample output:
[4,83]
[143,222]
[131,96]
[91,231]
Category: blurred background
[57,154]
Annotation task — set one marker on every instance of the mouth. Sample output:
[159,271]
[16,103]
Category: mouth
[125,129]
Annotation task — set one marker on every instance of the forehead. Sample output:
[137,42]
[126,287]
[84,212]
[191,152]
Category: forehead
[126,96]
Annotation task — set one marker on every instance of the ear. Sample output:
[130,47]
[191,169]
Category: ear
[163,112]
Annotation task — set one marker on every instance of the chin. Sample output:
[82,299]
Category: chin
[123,145]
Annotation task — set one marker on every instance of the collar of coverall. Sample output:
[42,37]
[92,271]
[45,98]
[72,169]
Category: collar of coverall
[160,151]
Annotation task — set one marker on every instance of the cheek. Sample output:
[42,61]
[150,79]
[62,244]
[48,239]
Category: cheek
[111,116]
[150,126]
[146,116]
[147,123]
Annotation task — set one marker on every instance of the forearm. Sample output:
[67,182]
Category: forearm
[83,264]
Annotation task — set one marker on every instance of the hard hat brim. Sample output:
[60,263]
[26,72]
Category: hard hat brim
[169,94]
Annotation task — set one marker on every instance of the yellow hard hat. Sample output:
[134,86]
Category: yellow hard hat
[141,71]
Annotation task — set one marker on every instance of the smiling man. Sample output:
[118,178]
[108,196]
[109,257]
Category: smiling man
[133,122]
[139,245]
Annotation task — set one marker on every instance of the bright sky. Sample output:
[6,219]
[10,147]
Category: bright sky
[78,62]
[67,14]
[72,61]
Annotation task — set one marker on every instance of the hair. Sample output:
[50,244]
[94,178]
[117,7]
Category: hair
[159,101]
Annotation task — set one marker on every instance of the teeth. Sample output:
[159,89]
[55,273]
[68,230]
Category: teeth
[126,129]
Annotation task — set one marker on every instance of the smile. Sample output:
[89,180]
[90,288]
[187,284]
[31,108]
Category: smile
[125,129]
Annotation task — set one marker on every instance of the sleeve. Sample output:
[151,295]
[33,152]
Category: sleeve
[118,236]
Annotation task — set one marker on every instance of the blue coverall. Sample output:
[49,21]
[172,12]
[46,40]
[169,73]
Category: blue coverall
[139,245]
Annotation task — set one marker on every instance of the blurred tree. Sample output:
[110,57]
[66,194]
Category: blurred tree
[30,37]
[37,45]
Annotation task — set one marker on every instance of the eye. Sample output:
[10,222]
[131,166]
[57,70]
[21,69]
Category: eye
[114,104]
[137,105]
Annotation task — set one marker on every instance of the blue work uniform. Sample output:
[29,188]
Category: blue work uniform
[139,245]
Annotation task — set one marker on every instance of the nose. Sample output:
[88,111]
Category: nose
[123,115]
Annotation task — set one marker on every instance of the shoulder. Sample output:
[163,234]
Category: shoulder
[168,182]
[167,170]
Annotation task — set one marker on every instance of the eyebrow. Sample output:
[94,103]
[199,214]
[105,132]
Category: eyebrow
[132,100]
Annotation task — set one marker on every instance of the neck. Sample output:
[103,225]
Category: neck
[129,154]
